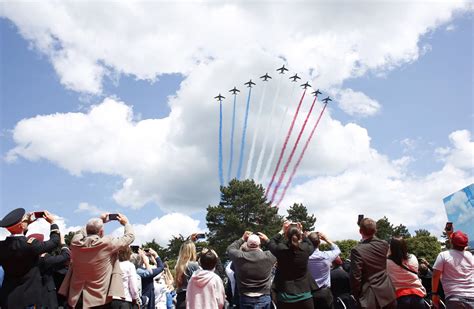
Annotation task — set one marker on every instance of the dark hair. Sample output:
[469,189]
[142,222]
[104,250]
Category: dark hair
[398,250]
[368,227]
[208,260]
[124,254]
[314,237]
[294,236]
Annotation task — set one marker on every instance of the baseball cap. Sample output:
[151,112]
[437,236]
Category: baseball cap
[253,241]
[459,239]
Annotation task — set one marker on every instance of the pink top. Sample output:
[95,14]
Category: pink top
[402,279]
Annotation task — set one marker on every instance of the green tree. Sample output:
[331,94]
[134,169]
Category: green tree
[243,207]
[346,246]
[299,213]
[68,238]
[162,252]
[424,245]
[385,230]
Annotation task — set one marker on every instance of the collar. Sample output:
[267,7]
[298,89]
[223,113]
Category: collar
[16,235]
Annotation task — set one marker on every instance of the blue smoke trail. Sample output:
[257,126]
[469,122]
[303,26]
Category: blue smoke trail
[229,172]
[221,175]
[242,145]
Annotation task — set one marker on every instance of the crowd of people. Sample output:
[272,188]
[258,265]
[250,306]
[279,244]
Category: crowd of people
[287,270]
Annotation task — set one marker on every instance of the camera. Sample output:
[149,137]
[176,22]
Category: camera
[113,217]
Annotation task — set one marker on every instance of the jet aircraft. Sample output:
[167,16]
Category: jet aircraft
[249,83]
[305,85]
[265,77]
[282,69]
[234,90]
[295,77]
[326,100]
[219,97]
[316,92]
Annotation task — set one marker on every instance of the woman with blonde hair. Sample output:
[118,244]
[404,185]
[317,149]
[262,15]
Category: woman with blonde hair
[185,267]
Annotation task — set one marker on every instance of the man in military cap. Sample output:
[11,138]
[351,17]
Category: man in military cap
[19,255]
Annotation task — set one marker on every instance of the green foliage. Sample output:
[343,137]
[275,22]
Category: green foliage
[299,213]
[243,207]
[346,246]
[385,230]
[68,238]
[162,252]
[424,245]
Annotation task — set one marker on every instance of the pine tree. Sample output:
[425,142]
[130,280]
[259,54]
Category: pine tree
[299,213]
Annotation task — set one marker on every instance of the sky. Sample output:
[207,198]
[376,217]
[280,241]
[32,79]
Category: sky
[108,107]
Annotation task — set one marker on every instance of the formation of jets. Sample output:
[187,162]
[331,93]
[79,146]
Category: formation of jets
[265,77]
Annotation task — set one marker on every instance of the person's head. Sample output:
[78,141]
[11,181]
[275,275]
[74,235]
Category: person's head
[294,236]
[136,260]
[253,242]
[95,226]
[367,227]
[16,221]
[208,259]
[124,254]
[459,240]
[314,238]
[187,253]
[398,250]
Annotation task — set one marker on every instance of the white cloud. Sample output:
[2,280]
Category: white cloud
[458,205]
[462,155]
[163,229]
[356,103]
[91,209]
[147,39]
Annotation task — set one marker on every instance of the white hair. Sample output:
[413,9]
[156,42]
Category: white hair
[94,226]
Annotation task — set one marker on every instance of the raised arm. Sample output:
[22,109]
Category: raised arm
[40,247]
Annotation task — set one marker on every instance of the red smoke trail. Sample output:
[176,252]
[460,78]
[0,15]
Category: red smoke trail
[288,183]
[285,169]
[282,152]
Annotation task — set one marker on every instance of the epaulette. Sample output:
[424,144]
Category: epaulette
[31,240]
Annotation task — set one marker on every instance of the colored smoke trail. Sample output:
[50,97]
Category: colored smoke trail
[288,183]
[292,153]
[244,131]
[221,174]
[266,172]
[267,134]
[282,152]
[255,134]
[231,159]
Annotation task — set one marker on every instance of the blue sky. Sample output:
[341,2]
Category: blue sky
[423,100]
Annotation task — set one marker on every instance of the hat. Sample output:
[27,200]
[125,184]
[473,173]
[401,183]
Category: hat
[13,217]
[38,237]
[459,239]
[253,241]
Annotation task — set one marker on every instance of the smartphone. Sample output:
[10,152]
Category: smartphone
[113,216]
[146,249]
[449,227]
[200,236]
[359,219]
[37,215]
[134,248]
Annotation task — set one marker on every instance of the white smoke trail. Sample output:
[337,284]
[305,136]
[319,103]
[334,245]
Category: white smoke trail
[255,134]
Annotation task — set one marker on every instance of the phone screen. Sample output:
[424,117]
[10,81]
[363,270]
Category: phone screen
[113,216]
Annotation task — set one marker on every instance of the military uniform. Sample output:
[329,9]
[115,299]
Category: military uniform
[22,285]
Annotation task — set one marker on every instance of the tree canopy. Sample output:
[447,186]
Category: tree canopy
[299,213]
[243,207]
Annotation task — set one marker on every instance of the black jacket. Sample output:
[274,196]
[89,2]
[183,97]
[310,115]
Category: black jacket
[292,275]
[48,264]
[19,256]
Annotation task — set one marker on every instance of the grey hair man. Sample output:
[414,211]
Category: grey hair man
[95,276]
[253,269]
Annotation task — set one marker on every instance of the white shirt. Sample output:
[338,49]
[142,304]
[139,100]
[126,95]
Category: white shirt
[457,268]
[129,280]
[402,278]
